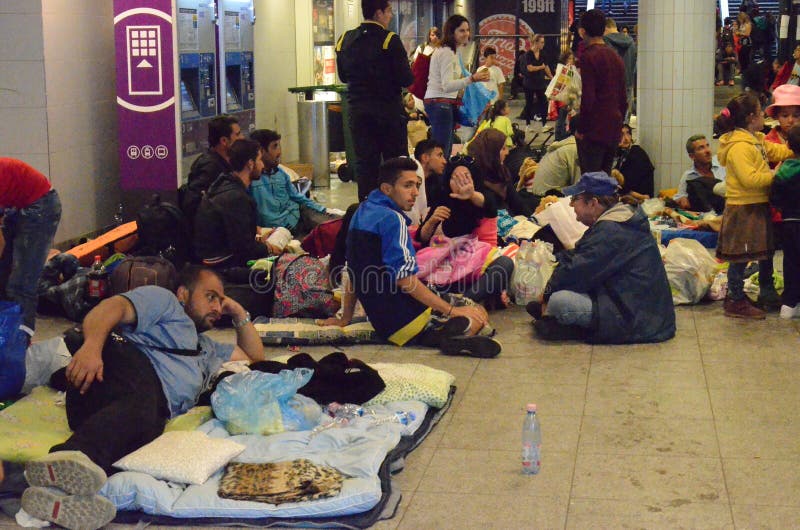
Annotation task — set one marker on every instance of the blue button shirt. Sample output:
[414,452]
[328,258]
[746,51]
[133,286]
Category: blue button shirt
[691,174]
[162,321]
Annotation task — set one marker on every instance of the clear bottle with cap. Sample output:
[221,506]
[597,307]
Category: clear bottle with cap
[531,442]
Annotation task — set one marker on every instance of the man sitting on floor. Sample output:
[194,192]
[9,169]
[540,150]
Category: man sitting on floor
[226,227]
[122,389]
[696,189]
[279,203]
[382,266]
[612,287]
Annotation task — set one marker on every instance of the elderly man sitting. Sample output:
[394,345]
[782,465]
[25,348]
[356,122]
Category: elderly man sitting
[612,287]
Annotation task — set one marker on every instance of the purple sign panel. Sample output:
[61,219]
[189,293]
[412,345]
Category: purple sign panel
[146,94]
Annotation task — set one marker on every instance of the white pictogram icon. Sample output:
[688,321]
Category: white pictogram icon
[161,152]
[148,152]
[133,152]
[144,61]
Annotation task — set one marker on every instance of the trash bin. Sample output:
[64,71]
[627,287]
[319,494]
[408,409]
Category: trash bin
[312,128]
[328,119]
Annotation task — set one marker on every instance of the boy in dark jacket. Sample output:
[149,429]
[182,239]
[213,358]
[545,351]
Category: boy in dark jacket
[612,287]
[785,195]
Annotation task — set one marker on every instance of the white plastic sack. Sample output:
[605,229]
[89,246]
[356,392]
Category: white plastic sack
[532,270]
[42,359]
[690,270]
[561,217]
[653,207]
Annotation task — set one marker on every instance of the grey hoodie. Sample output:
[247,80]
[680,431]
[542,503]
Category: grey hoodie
[626,48]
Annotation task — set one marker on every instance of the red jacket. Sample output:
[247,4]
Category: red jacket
[20,184]
[782,77]
[604,100]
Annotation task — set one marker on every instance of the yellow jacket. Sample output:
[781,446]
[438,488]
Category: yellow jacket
[502,124]
[746,159]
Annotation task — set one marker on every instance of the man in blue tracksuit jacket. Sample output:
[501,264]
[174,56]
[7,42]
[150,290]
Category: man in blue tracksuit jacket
[382,267]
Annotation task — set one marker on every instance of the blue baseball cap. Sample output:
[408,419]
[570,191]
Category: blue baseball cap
[595,183]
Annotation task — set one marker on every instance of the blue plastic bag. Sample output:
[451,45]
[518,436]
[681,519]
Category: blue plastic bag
[13,343]
[474,101]
[263,403]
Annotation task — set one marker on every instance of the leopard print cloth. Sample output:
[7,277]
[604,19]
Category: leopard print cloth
[280,482]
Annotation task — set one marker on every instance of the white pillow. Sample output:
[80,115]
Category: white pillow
[189,457]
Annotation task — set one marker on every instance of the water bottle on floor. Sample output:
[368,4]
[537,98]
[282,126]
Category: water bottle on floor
[531,442]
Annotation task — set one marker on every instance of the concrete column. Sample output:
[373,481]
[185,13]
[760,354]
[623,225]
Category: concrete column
[675,81]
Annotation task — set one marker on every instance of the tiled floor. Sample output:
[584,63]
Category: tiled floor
[698,432]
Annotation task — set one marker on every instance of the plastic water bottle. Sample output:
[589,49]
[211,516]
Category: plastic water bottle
[531,442]
[118,217]
[346,410]
[401,417]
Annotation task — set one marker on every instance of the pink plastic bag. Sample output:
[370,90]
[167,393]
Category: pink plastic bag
[449,260]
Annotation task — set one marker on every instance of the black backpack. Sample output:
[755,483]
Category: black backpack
[163,231]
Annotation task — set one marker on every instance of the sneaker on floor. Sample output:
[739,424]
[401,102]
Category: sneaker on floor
[478,346]
[548,328]
[742,309]
[534,309]
[788,311]
[76,512]
[71,471]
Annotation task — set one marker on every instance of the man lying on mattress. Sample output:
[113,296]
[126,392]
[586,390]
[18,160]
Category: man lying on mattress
[144,359]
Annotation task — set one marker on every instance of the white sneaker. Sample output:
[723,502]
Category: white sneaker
[789,312]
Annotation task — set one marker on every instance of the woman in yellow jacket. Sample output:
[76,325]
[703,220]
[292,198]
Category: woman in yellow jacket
[746,233]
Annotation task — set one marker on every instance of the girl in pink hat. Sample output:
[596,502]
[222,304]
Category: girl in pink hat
[786,109]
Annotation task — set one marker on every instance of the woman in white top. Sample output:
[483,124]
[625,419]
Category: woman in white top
[445,80]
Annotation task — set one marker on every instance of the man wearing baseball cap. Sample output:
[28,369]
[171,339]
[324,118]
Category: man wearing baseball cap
[612,287]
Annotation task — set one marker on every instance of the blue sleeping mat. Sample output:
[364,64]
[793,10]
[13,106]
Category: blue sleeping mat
[369,457]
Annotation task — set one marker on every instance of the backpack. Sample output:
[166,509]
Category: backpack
[302,288]
[322,239]
[421,69]
[163,231]
[143,270]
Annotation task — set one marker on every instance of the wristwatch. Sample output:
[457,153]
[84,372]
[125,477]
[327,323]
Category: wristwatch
[243,322]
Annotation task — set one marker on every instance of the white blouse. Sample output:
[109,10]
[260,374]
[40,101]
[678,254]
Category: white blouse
[445,77]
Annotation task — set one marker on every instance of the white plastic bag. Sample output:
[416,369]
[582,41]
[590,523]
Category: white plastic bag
[561,217]
[653,207]
[690,270]
[532,270]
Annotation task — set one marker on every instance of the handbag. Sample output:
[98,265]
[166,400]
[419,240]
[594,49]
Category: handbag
[302,288]
[474,101]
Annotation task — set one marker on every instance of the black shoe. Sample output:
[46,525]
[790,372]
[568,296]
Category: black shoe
[534,309]
[548,328]
[478,346]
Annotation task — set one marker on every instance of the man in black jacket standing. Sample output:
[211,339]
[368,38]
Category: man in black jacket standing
[222,132]
[374,64]
[225,228]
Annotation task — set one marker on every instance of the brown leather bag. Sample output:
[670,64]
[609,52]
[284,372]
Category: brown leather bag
[143,270]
